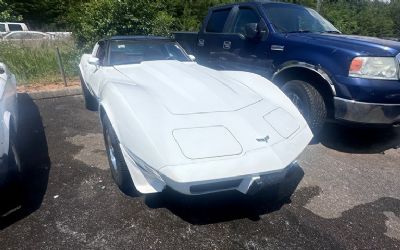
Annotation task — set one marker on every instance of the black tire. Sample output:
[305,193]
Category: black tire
[12,162]
[118,167]
[309,102]
[90,100]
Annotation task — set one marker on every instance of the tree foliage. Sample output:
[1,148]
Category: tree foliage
[93,19]
[7,12]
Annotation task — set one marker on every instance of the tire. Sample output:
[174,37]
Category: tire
[90,100]
[118,167]
[309,101]
[12,162]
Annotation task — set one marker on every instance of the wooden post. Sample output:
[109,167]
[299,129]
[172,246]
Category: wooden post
[61,66]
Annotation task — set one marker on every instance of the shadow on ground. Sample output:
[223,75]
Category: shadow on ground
[359,140]
[227,206]
[24,196]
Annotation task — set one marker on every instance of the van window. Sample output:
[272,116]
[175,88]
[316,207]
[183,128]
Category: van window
[245,16]
[217,20]
[15,27]
[2,27]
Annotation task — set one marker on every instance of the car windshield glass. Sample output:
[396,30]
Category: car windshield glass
[132,52]
[292,19]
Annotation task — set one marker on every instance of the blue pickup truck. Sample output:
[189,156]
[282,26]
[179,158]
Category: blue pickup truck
[328,75]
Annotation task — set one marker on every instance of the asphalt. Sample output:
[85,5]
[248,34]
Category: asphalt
[347,195]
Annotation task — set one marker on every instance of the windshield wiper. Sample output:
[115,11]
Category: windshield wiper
[332,32]
[299,31]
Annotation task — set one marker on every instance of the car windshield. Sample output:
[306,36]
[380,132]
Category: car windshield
[293,19]
[132,52]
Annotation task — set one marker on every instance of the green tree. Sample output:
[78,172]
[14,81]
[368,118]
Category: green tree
[7,13]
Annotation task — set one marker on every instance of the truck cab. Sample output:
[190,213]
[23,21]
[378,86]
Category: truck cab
[328,75]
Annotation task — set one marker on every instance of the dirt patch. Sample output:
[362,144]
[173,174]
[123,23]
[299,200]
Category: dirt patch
[46,86]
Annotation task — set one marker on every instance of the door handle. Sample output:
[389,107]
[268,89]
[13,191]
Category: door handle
[227,45]
[200,43]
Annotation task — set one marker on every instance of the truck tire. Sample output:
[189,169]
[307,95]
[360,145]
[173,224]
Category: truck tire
[118,167]
[90,101]
[309,102]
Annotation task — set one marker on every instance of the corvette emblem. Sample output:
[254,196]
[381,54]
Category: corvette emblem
[265,139]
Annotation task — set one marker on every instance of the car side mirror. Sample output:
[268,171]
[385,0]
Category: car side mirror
[192,57]
[94,61]
[251,30]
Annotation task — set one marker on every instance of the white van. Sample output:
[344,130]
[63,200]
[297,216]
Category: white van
[6,27]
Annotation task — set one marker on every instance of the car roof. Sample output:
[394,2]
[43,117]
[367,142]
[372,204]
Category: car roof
[252,3]
[140,38]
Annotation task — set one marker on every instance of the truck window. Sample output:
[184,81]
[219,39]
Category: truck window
[245,16]
[217,20]
[2,27]
[15,27]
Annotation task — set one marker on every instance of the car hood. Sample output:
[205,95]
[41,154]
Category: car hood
[361,44]
[188,88]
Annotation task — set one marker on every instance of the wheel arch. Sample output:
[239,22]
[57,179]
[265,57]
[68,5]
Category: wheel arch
[313,75]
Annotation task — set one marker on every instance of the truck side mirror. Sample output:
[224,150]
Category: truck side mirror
[251,30]
[94,61]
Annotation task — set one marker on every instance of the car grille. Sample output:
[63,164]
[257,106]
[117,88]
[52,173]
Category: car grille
[213,187]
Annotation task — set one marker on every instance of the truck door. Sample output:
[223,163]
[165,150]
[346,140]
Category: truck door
[211,37]
[246,54]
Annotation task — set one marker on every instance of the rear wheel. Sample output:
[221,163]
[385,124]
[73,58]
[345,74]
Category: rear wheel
[119,169]
[90,101]
[309,102]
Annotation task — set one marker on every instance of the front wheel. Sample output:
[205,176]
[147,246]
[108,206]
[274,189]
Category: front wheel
[309,101]
[119,169]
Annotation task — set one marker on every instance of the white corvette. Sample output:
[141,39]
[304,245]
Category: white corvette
[168,121]
[8,124]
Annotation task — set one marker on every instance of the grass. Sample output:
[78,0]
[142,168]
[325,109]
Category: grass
[36,62]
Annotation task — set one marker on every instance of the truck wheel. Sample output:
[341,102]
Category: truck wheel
[119,169]
[90,101]
[309,102]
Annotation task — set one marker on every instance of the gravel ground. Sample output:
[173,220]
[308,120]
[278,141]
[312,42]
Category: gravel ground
[348,195]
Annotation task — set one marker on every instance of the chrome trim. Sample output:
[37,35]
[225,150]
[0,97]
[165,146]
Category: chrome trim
[277,47]
[368,113]
[314,68]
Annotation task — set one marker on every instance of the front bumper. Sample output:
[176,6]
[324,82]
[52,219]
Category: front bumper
[245,184]
[366,113]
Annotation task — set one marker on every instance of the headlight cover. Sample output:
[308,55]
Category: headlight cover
[386,68]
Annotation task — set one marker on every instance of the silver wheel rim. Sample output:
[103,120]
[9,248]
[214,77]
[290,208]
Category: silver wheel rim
[111,152]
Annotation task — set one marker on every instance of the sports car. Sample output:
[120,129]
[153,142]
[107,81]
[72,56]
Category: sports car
[8,125]
[170,122]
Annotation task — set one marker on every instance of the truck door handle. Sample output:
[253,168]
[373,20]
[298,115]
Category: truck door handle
[227,45]
[201,42]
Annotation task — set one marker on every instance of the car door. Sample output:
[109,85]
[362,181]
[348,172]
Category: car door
[243,53]
[210,39]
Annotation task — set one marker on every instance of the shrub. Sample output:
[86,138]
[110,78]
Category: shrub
[35,61]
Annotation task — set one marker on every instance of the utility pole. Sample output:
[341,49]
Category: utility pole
[319,5]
